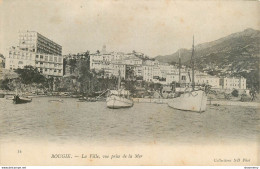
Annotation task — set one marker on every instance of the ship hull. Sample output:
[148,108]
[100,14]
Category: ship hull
[191,101]
[116,102]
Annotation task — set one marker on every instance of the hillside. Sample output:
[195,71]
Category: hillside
[236,55]
[245,44]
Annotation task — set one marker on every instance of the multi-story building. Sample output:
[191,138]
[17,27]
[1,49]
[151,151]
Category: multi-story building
[50,65]
[154,71]
[147,73]
[115,60]
[35,42]
[172,77]
[19,58]
[233,83]
[116,67]
[37,51]
[207,80]
[99,60]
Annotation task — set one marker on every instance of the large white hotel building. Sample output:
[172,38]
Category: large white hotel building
[36,50]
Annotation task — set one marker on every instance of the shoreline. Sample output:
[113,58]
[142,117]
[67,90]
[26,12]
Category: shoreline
[165,101]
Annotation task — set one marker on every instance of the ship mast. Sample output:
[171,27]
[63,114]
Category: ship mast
[179,68]
[192,65]
[119,80]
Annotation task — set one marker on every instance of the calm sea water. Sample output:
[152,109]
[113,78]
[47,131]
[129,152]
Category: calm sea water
[89,122]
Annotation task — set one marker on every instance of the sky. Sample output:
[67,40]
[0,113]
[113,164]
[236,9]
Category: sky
[155,27]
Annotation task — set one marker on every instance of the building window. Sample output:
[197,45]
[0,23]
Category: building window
[46,58]
[46,70]
[37,56]
[41,57]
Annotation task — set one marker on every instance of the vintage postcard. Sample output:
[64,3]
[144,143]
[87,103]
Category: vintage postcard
[142,82]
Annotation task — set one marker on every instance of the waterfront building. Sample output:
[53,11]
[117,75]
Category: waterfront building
[172,77]
[50,65]
[233,83]
[35,42]
[99,60]
[138,70]
[157,72]
[116,67]
[115,60]
[17,58]
[148,73]
[37,51]
[202,79]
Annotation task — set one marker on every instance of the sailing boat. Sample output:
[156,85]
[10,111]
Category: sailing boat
[194,100]
[119,98]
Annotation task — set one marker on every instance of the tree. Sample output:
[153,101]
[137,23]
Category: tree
[235,93]
[29,75]
[86,76]
[129,73]
[73,64]
[4,84]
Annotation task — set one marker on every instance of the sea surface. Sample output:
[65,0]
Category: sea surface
[93,122]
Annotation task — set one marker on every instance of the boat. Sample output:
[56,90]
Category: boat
[89,99]
[61,101]
[83,99]
[20,100]
[119,98]
[190,100]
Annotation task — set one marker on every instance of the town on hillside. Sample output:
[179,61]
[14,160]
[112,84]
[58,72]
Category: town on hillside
[36,65]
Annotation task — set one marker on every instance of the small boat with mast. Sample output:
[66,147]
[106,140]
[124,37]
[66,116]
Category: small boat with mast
[190,100]
[119,98]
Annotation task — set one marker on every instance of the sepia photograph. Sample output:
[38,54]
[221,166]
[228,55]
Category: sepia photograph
[139,83]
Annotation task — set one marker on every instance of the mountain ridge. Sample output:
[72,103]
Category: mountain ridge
[237,54]
[215,46]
